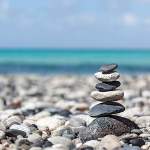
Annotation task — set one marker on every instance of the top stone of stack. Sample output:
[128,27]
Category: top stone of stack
[108,68]
[107,73]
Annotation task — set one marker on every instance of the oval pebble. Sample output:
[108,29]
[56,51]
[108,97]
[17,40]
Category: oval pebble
[107,68]
[15,133]
[105,109]
[107,96]
[137,142]
[12,120]
[107,77]
[108,86]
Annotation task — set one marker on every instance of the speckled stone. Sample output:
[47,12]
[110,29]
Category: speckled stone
[107,77]
[103,126]
[107,96]
[105,109]
[108,68]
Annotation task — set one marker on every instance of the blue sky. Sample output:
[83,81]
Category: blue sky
[75,23]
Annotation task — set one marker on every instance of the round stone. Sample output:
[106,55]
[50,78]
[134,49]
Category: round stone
[103,126]
[105,109]
[12,120]
[51,122]
[110,142]
[107,96]
[21,127]
[108,86]
[108,68]
[62,140]
[107,77]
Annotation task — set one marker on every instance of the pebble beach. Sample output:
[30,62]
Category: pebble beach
[47,112]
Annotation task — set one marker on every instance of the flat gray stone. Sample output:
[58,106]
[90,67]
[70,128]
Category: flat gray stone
[103,126]
[107,68]
[108,86]
[107,96]
[105,109]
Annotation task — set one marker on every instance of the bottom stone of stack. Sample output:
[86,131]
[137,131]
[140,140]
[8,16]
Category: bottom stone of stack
[103,126]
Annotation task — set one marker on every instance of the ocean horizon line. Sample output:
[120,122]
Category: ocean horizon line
[72,49]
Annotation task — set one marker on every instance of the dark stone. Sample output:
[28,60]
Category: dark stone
[15,133]
[47,144]
[29,112]
[38,143]
[109,86]
[137,142]
[105,109]
[108,68]
[128,147]
[42,143]
[61,112]
[85,148]
[103,126]
[113,83]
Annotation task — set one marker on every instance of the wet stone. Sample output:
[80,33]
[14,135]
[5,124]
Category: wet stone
[107,86]
[108,68]
[103,126]
[105,109]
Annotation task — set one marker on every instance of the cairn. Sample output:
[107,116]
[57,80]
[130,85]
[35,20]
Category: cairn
[107,93]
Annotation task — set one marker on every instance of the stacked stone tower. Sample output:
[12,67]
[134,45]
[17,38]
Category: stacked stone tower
[107,92]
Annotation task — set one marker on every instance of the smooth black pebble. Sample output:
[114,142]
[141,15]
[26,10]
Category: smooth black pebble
[137,142]
[86,148]
[110,86]
[108,68]
[15,133]
[105,109]
[113,83]
[103,126]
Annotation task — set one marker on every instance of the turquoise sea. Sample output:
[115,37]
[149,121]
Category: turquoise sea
[44,61]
